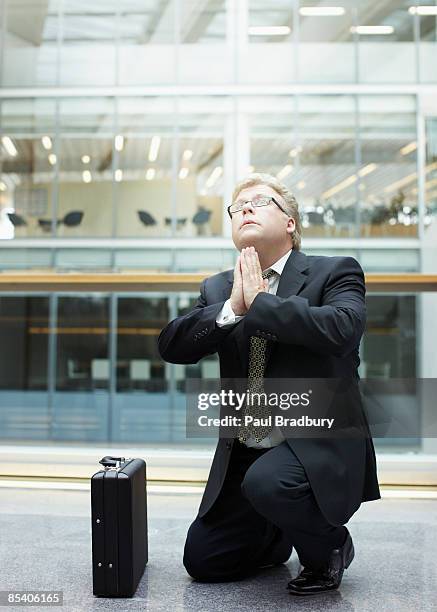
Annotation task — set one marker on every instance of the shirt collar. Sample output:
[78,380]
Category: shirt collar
[279,265]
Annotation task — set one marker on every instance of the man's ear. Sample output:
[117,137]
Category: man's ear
[291,225]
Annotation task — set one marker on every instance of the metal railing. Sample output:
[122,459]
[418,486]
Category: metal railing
[120,282]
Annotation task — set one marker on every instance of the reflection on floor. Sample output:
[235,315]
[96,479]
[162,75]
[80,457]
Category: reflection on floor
[45,544]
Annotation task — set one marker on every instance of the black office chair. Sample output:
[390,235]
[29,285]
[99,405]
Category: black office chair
[73,218]
[146,218]
[180,221]
[201,219]
[46,224]
[17,220]
[202,216]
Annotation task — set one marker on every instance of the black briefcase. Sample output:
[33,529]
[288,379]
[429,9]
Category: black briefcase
[119,526]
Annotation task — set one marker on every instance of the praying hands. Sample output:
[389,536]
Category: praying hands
[248,281]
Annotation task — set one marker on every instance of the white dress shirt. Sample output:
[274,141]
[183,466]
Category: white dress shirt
[227,317]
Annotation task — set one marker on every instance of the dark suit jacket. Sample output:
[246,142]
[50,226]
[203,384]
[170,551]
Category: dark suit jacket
[314,324]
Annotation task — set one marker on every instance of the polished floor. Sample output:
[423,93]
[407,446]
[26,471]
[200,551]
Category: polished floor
[45,544]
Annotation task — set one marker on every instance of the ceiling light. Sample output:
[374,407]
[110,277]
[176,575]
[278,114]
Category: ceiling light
[150,174]
[423,10]
[321,11]
[295,151]
[372,30]
[52,159]
[86,176]
[183,173]
[9,146]
[86,159]
[301,185]
[119,142]
[401,183]
[187,155]
[46,142]
[214,176]
[408,148]
[154,148]
[284,172]
[118,175]
[269,30]
[350,180]
[367,169]
[347,182]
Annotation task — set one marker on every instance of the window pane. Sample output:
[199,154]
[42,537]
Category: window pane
[326,33]
[88,43]
[147,33]
[27,167]
[428,42]
[80,410]
[386,48]
[387,181]
[142,404]
[24,324]
[30,43]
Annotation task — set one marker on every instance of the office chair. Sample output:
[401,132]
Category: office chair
[73,218]
[17,220]
[180,221]
[146,218]
[201,219]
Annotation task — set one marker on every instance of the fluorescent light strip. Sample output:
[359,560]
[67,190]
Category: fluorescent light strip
[52,159]
[154,148]
[9,146]
[118,175]
[187,155]
[2,186]
[269,30]
[408,148]
[86,176]
[150,174]
[408,179]
[367,170]
[183,173]
[285,171]
[350,180]
[214,176]
[295,151]
[321,11]
[46,142]
[119,142]
[372,30]
[423,10]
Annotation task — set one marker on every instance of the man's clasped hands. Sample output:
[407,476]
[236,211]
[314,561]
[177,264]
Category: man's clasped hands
[248,281]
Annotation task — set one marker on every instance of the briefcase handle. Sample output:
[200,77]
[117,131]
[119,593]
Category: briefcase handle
[111,461]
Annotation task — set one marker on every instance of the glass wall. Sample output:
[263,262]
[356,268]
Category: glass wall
[75,44]
[87,367]
[124,125]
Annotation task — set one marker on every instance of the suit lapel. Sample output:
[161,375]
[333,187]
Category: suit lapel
[291,282]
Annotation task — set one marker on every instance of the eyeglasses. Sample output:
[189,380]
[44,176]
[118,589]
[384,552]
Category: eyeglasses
[256,202]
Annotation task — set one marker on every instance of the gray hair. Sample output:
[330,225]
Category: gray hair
[291,205]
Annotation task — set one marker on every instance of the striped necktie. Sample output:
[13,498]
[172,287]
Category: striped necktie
[255,384]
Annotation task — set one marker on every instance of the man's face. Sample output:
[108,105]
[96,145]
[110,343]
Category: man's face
[264,225]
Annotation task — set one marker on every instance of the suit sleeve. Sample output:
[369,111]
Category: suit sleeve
[190,337]
[333,328]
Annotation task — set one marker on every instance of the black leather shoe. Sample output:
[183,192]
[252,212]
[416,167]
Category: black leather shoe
[311,582]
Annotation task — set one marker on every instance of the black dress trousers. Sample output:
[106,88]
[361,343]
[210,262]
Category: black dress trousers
[264,508]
